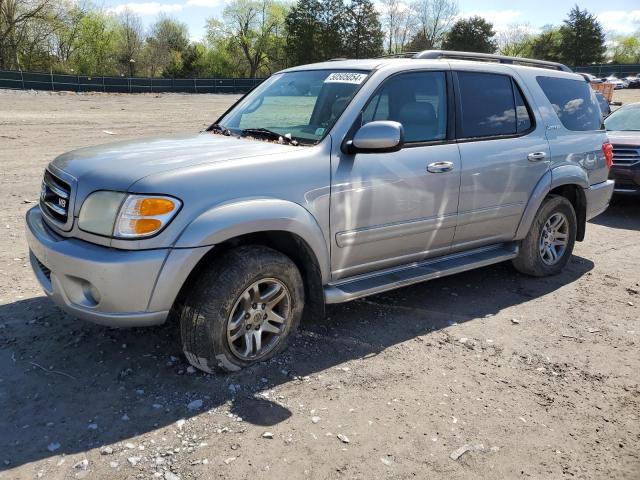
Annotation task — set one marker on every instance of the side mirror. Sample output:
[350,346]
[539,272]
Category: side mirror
[377,137]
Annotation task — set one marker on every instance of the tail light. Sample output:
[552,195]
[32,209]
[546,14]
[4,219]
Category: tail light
[607,149]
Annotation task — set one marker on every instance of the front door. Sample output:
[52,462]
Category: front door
[388,209]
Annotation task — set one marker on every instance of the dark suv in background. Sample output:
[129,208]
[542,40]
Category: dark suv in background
[623,129]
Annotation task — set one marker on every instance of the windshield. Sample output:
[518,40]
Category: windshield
[301,106]
[625,119]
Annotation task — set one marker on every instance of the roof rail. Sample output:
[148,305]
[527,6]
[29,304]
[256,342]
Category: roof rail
[399,55]
[489,57]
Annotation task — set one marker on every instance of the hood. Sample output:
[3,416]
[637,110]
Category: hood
[624,139]
[118,165]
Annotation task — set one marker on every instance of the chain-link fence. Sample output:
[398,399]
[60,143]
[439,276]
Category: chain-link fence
[605,70]
[84,83]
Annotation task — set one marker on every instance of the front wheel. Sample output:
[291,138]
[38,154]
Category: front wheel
[241,310]
[548,246]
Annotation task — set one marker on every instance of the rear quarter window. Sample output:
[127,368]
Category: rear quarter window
[573,101]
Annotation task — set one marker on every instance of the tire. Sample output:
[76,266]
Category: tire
[534,258]
[241,282]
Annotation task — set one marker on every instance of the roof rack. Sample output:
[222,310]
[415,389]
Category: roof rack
[399,55]
[489,57]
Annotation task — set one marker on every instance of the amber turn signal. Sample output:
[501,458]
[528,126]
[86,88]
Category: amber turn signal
[143,226]
[149,207]
[143,216]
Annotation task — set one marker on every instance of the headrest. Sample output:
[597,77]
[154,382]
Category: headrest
[338,106]
[417,113]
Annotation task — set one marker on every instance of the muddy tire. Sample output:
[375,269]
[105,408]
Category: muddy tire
[241,310]
[548,246]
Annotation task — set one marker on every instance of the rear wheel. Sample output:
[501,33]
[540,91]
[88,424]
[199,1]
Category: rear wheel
[242,310]
[548,246]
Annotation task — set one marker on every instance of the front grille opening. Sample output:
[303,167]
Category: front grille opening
[54,197]
[625,156]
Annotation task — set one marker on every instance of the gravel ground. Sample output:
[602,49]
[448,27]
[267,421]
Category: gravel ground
[488,374]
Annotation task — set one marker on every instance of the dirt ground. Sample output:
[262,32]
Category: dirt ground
[516,377]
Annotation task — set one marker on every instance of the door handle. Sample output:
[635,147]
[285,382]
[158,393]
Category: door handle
[536,156]
[440,167]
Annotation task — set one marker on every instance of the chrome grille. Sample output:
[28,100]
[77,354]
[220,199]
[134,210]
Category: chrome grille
[54,197]
[625,156]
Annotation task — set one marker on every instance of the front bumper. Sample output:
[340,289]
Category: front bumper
[103,285]
[627,178]
[598,197]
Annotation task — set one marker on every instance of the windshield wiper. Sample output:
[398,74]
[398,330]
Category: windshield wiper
[270,134]
[216,127]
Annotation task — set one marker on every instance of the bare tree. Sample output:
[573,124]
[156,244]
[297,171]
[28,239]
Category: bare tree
[15,16]
[434,19]
[130,41]
[399,24]
[514,40]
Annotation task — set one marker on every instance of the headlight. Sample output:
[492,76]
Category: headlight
[120,215]
[99,211]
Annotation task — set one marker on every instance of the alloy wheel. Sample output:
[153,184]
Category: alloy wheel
[259,318]
[554,238]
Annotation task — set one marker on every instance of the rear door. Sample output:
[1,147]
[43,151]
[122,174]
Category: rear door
[393,208]
[504,153]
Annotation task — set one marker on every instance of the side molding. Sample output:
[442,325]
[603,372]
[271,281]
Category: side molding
[227,221]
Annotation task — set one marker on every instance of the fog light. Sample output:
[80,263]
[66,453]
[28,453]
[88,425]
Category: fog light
[91,293]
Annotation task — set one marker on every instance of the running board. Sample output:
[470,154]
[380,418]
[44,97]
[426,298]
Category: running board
[396,277]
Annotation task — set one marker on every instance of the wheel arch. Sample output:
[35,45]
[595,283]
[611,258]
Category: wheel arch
[568,181]
[285,242]
[258,217]
[284,226]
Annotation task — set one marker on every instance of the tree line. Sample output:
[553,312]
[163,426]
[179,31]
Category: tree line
[254,38]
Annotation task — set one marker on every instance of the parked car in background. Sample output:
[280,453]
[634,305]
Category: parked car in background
[590,78]
[617,82]
[633,81]
[605,108]
[327,183]
[623,129]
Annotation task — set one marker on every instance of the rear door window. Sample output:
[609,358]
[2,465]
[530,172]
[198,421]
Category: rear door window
[491,105]
[573,101]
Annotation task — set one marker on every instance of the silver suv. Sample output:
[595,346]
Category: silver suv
[327,183]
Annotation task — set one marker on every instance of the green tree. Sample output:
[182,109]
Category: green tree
[165,46]
[333,27]
[364,36]
[474,34]
[545,45]
[96,51]
[581,39]
[302,30]
[316,31]
[626,49]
